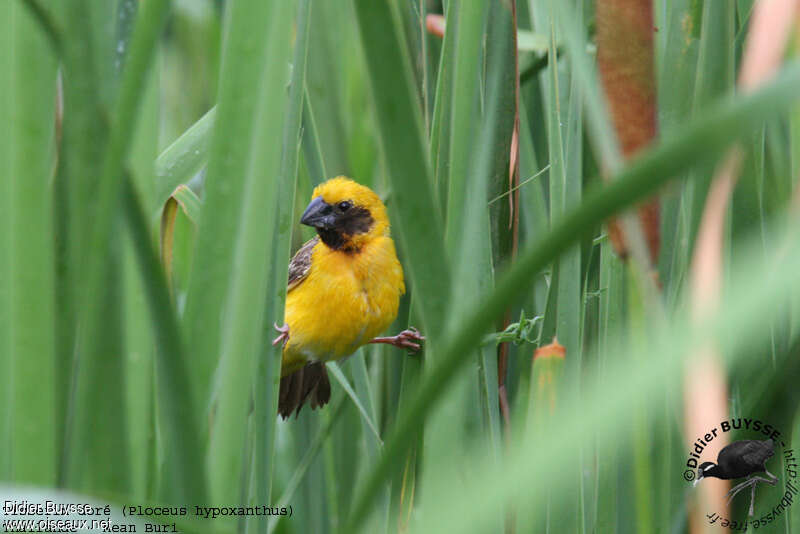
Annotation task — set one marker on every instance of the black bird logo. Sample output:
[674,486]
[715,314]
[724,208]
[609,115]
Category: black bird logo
[741,459]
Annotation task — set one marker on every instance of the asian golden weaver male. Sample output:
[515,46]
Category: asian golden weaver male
[344,289]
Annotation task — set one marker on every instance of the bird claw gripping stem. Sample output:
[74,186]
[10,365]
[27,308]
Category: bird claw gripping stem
[283,337]
[409,339]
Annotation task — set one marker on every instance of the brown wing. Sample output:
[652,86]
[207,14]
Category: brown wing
[301,263]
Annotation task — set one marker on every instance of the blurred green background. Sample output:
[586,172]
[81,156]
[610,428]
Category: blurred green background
[155,160]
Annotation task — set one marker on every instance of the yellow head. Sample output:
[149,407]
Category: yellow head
[346,214]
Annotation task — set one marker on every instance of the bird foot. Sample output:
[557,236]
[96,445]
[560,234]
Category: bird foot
[409,339]
[283,337]
[736,489]
[751,482]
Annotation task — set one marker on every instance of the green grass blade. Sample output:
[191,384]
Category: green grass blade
[310,455]
[465,113]
[367,416]
[602,135]
[374,443]
[184,158]
[325,83]
[714,79]
[28,82]
[311,148]
[185,199]
[677,65]
[269,363]
[99,317]
[564,126]
[6,365]
[137,326]
[443,109]
[184,479]
[534,220]
[188,201]
[418,225]
[612,298]
[501,60]
[485,149]
[243,327]
[466,219]
[243,58]
[79,165]
[47,23]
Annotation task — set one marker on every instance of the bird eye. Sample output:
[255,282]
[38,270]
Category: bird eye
[345,205]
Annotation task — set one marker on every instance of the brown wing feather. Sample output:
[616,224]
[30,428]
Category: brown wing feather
[301,263]
[310,383]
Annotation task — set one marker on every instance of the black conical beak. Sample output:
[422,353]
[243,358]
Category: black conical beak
[318,214]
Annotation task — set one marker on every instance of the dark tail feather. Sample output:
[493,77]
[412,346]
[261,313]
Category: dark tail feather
[308,384]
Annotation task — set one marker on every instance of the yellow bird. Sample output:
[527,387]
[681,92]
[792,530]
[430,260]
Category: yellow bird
[344,289]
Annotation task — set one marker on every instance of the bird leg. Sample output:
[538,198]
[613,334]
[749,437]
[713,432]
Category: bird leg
[407,339]
[752,482]
[283,336]
[736,489]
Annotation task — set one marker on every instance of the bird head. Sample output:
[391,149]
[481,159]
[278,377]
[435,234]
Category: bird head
[703,471]
[345,214]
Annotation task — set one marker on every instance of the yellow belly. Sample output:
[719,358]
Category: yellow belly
[345,301]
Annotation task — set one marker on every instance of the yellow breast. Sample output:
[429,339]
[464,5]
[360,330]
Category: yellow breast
[345,301]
